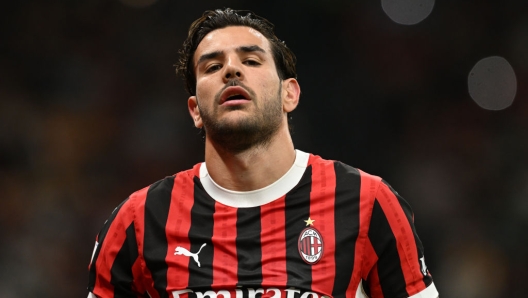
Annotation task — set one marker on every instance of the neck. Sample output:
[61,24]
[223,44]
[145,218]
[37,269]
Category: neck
[251,169]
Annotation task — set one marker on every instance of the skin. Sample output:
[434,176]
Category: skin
[248,145]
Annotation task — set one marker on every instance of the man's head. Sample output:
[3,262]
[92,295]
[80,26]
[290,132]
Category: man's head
[241,79]
[217,19]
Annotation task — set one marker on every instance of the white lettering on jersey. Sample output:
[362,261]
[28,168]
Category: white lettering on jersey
[213,294]
[176,294]
[276,292]
[291,292]
[252,293]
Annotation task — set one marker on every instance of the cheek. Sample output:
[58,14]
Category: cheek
[203,90]
[264,78]
[271,85]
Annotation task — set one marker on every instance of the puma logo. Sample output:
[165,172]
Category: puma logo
[183,251]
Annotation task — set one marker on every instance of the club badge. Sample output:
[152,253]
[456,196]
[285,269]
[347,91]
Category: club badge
[310,244]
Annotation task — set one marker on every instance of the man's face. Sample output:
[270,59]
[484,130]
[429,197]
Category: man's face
[238,91]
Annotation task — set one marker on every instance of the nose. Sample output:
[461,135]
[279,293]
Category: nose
[233,70]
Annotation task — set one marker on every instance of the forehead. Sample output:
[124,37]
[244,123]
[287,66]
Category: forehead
[230,38]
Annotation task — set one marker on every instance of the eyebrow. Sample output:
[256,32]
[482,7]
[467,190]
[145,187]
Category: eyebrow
[244,49]
[208,56]
[249,49]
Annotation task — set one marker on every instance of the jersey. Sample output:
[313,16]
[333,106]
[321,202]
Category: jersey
[325,229]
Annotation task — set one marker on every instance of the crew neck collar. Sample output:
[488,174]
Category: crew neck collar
[258,197]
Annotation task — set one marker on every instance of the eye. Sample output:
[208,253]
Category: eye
[213,68]
[251,62]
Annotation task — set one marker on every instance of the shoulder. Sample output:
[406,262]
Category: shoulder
[162,187]
[344,171]
[348,182]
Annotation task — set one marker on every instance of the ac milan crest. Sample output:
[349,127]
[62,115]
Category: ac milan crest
[311,245]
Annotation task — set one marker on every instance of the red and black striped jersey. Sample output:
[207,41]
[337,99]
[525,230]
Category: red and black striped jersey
[325,229]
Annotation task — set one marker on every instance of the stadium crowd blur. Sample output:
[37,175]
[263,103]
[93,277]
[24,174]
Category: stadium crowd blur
[91,110]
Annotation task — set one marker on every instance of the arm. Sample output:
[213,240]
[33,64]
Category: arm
[114,270]
[399,269]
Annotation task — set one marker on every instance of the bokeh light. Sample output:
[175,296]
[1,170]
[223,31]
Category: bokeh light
[407,12]
[492,83]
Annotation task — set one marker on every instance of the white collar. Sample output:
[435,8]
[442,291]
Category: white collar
[259,197]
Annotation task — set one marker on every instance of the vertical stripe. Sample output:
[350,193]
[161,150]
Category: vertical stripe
[347,225]
[375,289]
[389,269]
[402,228]
[225,253]
[368,260]
[121,272]
[200,233]
[97,267]
[248,245]
[365,256]
[407,210]
[140,237]
[157,207]
[296,212]
[178,226]
[322,200]
[273,238]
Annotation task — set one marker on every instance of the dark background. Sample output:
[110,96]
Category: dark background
[91,110]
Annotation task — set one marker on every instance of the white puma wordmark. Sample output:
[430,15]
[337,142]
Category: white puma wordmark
[183,251]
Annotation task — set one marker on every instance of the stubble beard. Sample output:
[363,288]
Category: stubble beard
[250,131]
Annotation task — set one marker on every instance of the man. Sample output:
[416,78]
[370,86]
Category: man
[257,218]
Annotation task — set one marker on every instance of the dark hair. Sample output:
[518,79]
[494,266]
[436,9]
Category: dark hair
[218,19]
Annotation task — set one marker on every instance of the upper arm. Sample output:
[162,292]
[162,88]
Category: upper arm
[400,269]
[114,268]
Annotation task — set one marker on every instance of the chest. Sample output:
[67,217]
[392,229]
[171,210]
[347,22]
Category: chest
[295,242]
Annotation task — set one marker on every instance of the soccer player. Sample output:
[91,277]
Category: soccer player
[258,218]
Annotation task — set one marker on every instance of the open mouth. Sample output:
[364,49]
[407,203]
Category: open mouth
[234,94]
[235,97]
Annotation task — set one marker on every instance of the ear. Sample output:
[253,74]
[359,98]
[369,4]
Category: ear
[291,91]
[194,111]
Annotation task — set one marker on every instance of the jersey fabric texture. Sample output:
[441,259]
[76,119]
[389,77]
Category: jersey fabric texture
[325,229]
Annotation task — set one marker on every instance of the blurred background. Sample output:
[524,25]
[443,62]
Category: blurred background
[432,96]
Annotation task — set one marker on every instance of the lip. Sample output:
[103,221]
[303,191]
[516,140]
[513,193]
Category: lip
[234,90]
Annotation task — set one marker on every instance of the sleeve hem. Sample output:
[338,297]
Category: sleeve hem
[429,292]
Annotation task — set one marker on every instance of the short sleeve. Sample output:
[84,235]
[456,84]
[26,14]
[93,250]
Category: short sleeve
[399,270]
[114,268]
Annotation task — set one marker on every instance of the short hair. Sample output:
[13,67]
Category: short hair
[211,20]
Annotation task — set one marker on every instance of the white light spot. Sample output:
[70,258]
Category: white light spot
[492,83]
[407,12]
